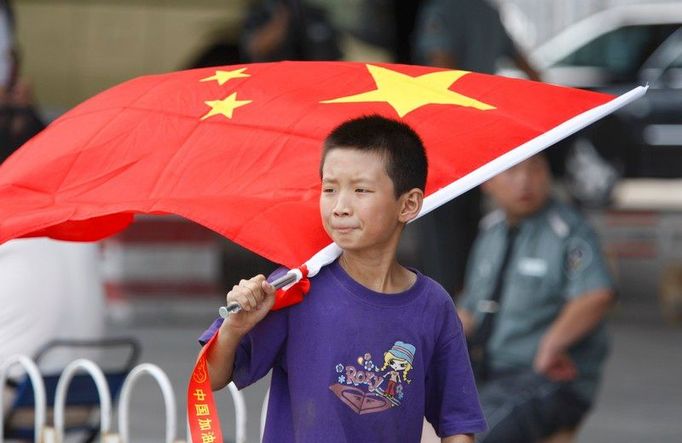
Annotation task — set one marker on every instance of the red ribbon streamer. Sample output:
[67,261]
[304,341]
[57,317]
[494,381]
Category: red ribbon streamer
[202,413]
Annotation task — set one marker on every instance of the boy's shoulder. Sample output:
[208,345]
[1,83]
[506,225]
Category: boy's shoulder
[437,292]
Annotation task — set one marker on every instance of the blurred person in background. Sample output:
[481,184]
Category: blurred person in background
[18,118]
[466,35]
[387,24]
[277,30]
[536,293]
[48,289]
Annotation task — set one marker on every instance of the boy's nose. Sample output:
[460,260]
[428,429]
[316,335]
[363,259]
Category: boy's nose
[341,206]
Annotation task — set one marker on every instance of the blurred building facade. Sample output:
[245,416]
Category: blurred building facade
[77,48]
[80,47]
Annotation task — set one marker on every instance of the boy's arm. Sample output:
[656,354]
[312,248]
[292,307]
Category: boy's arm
[256,296]
[460,438]
[220,359]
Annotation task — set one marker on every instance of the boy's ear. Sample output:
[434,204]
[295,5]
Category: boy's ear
[412,202]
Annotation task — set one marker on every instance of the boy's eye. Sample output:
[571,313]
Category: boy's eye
[327,190]
[362,190]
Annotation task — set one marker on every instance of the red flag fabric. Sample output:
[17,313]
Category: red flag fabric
[237,148]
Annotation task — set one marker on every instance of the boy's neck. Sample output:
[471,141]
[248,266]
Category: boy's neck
[378,273]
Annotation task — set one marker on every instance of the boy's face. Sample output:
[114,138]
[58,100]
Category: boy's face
[358,206]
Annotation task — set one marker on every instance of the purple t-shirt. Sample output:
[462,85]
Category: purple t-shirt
[351,364]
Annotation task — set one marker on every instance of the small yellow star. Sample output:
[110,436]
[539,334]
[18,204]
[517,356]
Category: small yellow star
[225,106]
[405,93]
[223,76]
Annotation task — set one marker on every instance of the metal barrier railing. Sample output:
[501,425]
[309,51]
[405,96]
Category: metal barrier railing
[264,413]
[56,435]
[38,395]
[240,413]
[168,399]
[102,389]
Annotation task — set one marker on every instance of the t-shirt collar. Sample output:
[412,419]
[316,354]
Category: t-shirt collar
[374,297]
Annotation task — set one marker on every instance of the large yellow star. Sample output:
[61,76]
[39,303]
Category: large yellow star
[225,106]
[405,93]
[223,76]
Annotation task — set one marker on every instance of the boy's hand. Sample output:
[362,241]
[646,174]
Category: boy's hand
[255,296]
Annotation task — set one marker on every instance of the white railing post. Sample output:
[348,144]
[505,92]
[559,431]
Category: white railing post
[239,412]
[187,429]
[38,393]
[264,413]
[102,389]
[168,398]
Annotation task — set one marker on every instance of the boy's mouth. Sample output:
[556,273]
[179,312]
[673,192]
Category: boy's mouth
[343,229]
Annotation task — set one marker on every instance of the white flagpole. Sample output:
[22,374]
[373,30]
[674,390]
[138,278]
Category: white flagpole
[512,157]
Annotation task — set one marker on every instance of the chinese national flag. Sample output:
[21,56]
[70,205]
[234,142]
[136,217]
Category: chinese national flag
[237,148]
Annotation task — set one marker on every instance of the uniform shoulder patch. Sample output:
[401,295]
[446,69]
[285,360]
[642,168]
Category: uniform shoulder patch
[558,224]
[578,256]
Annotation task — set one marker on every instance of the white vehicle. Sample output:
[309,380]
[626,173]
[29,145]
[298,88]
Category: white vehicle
[613,51]
[612,46]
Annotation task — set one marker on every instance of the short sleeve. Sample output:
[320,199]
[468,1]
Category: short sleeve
[260,350]
[452,405]
[584,265]
[434,31]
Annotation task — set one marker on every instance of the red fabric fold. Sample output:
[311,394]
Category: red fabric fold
[293,295]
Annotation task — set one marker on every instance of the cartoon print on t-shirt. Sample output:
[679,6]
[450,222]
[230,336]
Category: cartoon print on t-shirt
[370,388]
[399,360]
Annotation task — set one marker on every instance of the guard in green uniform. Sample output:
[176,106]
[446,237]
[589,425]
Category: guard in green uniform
[536,293]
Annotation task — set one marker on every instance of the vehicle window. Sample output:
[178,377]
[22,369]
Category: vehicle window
[677,63]
[664,68]
[672,76]
[621,51]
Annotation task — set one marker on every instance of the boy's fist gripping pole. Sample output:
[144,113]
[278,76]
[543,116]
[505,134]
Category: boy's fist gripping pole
[234,305]
[253,299]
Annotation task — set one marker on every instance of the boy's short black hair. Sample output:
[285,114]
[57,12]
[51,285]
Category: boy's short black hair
[406,163]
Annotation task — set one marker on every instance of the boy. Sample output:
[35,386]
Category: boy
[374,347]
